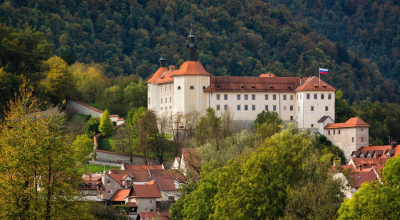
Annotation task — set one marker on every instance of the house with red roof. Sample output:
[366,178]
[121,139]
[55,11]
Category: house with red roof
[349,136]
[302,100]
[151,215]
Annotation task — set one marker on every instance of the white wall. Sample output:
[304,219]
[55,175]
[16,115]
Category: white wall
[344,140]
[186,99]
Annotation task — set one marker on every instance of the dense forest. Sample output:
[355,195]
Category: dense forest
[235,38]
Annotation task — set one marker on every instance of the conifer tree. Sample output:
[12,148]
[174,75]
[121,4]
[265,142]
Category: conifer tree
[106,126]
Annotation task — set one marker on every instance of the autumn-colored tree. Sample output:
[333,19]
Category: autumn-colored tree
[92,126]
[38,178]
[57,84]
[125,141]
[106,127]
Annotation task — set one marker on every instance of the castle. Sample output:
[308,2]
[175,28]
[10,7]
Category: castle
[302,100]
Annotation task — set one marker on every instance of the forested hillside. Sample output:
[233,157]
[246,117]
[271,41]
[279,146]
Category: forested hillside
[234,37]
[370,28]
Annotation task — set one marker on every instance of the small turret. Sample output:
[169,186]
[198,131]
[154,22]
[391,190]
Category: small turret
[163,60]
[191,47]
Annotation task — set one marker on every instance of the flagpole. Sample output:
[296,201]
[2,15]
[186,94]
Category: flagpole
[319,71]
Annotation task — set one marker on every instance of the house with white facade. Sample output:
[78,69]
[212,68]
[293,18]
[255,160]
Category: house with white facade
[348,136]
[302,100]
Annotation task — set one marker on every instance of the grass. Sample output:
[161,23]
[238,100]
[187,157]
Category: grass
[91,168]
[96,105]
[106,144]
[78,119]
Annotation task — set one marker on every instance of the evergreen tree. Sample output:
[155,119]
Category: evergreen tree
[106,126]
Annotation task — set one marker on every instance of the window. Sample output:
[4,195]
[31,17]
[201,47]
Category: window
[266,97]
[204,87]
[238,107]
[297,97]
[109,191]
[170,107]
[362,139]
[339,131]
[149,101]
[191,87]
[312,108]
[266,107]
[284,108]
[362,129]
[329,96]
[322,96]
[308,96]
[170,99]
[225,97]
[165,87]
[166,100]
[315,96]
[218,107]
[329,132]
[161,88]
[291,118]
[298,108]
[253,107]
[291,97]
[352,139]
[238,97]
[253,97]
[151,201]
[108,181]
[291,108]
[312,125]
[246,97]
[161,100]
[179,88]
[161,108]
[284,97]
[274,107]
[246,107]
[225,107]
[326,108]
[334,132]
[300,96]
[274,97]
[218,96]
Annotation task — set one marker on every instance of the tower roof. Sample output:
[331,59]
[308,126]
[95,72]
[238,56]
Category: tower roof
[191,68]
[191,32]
[313,84]
[351,123]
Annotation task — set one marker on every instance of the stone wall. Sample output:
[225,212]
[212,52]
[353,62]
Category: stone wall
[82,108]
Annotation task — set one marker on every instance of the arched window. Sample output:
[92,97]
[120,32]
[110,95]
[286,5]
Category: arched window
[204,87]
[191,87]
[179,88]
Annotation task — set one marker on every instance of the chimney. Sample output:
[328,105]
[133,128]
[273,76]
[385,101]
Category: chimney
[394,144]
[171,68]
[360,167]
[90,176]
[301,78]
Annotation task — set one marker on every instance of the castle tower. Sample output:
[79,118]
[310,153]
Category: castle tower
[190,81]
[152,90]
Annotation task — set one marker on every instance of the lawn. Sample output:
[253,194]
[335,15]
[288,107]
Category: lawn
[96,105]
[106,143]
[91,168]
[78,119]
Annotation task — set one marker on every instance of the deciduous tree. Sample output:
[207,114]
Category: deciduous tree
[106,126]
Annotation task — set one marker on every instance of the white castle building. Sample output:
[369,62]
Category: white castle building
[303,100]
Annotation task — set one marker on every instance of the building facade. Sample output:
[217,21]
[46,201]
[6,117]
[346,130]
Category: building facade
[302,100]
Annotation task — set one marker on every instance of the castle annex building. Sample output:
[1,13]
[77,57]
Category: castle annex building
[303,100]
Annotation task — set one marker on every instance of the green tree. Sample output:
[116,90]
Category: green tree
[106,126]
[267,123]
[92,126]
[342,110]
[83,147]
[125,141]
[113,99]
[38,166]
[135,95]
[374,197]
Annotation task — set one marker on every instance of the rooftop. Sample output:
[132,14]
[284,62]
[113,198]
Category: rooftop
[351,123]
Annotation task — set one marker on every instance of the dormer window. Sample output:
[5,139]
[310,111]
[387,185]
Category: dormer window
[191,87]
[242,87]
[218,87]
[271,87]
[253,87]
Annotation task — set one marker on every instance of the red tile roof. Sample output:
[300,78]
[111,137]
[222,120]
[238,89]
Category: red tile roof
[131,204]
[149,190]
[120,195]
[361,177]
[351,123]
[267,75]
[166,78]
[151,215]
[191,68]
[190,158]
[143,167]
[166,184]
[157,74]
[313,84]
[252,84]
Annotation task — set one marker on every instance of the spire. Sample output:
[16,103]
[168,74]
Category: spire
[163,60]
[191,47]
[191,32]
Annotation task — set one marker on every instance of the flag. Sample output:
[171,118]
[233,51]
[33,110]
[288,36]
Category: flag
[323,71]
